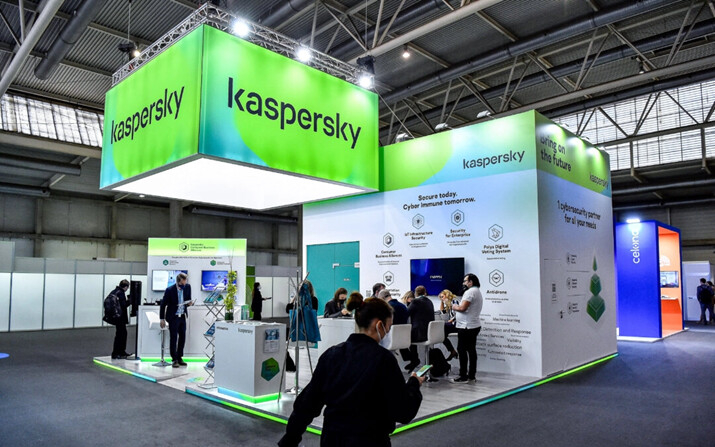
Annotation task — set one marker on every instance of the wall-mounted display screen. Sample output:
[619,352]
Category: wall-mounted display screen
[437,274]
[162,279]
[669,279]
[211,278]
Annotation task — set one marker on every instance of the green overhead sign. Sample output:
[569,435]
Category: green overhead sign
[196,247]
[213,94]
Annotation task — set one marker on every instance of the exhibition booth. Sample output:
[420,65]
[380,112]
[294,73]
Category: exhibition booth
[650,297]
[519,201]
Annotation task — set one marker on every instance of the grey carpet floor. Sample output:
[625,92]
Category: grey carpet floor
[652,394]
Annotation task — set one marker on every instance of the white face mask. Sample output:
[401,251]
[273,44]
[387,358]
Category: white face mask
[385,341]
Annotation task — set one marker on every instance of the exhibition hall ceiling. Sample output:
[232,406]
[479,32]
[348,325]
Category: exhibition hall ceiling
[438,64]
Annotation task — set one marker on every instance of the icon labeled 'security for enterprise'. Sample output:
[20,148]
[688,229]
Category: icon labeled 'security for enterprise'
[457,217]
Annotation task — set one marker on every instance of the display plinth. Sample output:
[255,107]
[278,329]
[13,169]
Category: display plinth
[249,359]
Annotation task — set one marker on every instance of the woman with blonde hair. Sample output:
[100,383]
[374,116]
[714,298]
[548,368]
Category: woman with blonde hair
[408,297]
[446,297]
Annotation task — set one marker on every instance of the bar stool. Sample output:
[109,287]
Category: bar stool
[435,335]
[155,324]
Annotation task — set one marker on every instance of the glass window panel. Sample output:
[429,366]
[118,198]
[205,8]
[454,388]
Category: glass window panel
[43,124]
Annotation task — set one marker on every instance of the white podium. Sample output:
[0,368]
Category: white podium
[248,359]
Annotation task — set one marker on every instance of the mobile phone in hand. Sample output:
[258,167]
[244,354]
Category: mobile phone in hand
[422,371]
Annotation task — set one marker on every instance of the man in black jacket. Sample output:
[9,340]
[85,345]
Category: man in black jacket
[120,336]
[421,312]
[173,310]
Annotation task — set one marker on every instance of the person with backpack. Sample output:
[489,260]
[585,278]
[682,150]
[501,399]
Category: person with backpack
[705,298]
[120,336]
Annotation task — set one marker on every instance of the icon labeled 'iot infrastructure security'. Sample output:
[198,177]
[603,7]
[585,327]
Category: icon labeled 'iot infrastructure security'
[418,221]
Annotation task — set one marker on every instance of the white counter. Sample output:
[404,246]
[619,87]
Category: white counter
[334,331]
[149,341]
[249,359]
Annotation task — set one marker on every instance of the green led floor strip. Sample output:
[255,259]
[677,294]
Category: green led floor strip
[248,410]
[168,359]
[247,398]
[125,371]
[499,396]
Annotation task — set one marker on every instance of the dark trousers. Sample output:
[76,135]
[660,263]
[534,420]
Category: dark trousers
[467,346]
[256,316]
[177,332]
[120,340]
[703,308]
[449,329]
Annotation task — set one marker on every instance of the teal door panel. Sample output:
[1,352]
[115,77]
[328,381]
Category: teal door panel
[332,266]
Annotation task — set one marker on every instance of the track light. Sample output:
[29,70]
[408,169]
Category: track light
[406,52]
[483,114]
[400,137]
[641,67]
[240,28]
[304,54]
[441,127]
[136,52]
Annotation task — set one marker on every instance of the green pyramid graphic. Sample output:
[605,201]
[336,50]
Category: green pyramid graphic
[596,305]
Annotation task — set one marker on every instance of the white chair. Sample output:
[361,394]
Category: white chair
[155,324]
[401,337]
[435,335]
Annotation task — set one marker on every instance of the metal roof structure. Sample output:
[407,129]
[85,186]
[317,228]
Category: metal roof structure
[468,61]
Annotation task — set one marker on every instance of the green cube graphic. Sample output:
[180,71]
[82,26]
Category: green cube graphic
[595,287]
[269,369]
[596,307]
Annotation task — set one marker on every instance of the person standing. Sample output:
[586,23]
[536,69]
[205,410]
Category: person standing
[257,302]
[360,385]
[468,326]
[421,313]
[173,310]
[120,336]
[705,298]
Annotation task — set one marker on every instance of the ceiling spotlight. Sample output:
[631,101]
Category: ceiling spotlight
[136,52]
[127,47]
[483,114]
[641,67]
[304,54]
[406,52]
[441,127]
[633,220]
[366,80]
[240,28]
[141,196]
[400,137]
[367,63]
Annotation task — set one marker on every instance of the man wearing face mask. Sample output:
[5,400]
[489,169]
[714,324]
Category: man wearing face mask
[173,310]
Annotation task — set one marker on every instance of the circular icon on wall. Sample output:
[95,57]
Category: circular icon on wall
[213,262]
[166,262]
[183,247]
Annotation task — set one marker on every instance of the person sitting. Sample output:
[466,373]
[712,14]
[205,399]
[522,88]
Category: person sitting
[421,312]
[335,308]
[446,297]
[357,379]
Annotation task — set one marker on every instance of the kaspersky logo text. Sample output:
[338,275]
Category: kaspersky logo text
[287,115]
[161,108]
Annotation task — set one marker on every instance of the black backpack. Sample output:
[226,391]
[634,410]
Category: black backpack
[440,365]
[112,309]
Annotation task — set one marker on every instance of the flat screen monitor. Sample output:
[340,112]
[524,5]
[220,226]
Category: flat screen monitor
[162,279]
[437,274]
[211,278]
[669,279]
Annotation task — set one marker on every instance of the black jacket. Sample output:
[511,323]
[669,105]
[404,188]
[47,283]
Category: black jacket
[364,393]
[123,303]
[421,312]
[170,302]
[333,309]
[257,301]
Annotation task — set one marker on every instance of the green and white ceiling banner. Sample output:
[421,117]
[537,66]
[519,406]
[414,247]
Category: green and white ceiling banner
[220,120]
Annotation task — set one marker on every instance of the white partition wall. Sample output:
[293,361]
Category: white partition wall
[5,301]
[26,301]
[59,301]
[281,296]
[88,300]
[266,291]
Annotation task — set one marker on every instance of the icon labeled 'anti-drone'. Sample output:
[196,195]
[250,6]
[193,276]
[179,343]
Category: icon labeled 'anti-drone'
[457,217]
[388,278]
[388,240]
[418,221]
[496,278]
[495,232]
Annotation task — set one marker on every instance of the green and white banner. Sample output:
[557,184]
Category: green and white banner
[196,247]
[213,94]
